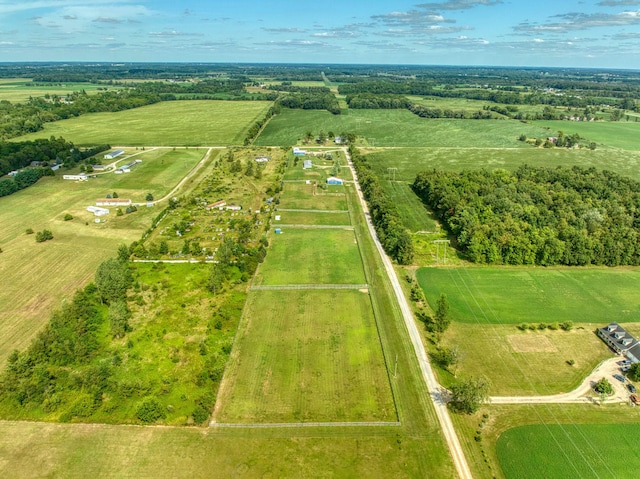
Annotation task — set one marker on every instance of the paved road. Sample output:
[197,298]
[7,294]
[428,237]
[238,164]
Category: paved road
[583,393]
[435,390]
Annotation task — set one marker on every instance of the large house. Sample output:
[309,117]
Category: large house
[620,341]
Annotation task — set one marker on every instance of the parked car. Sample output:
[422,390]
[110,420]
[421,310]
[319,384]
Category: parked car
[631,388]
[620,378]
[635,399]
[624,369]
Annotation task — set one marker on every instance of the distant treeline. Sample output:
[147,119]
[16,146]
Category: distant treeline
[385,216]
[311,101]
[546,216]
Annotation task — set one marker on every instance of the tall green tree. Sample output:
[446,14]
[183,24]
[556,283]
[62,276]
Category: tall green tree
[113,278]
[469,394]
[441,318]
[119,315]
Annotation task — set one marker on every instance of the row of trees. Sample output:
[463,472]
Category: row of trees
[546,216]
[22,179]
[385,217]
[311,101]
[254,129]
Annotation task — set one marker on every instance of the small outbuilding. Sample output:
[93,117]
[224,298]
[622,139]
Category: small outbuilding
[334,181]
[307,165]
[217,205]
[97,210]
[263,159]
[299,152]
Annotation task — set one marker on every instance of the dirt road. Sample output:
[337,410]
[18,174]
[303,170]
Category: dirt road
[435,390]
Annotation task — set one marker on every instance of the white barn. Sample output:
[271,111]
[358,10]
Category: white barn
[113,154]
[97,211]
[80,177]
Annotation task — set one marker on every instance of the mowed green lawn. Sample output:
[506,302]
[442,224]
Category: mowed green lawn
[312,256]
[38,276]
[414,214]
[495,295]
[568,451]
[172,123]
[525,363]
[411,161]
[313,218]
[397,128]
[306,356]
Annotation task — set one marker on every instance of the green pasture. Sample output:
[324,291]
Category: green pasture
[414,214]
[172,123]
[312,256]
[300,196]
[38,276]
[525,363]
[624,135]
[410,161]
[305,356]
[18,90]
[401,128]
[312,218]
[578,451]
[502,295]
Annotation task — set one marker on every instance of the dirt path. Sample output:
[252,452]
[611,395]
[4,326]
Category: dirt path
[583,393]
[436,392]
[186,177]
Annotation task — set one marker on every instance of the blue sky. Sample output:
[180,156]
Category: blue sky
[599,33]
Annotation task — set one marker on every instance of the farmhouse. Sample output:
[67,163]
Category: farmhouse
[620,341]
[113,202]
[218,204]
[334,181]
[233,208]
[80,177]
[97,211]
[306,165]
[113,154]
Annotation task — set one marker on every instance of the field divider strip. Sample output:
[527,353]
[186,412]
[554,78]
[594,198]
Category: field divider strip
[303,424]
[316,227]
[289,210]
[285,287]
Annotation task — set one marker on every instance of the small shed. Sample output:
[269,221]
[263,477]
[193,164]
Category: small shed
[307,165]
[278,231]
[334,181]
[299,152]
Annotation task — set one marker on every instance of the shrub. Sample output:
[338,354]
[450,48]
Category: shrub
[523,326]
[29,231]
[553,326]
[571,362]
[566,325]
[68,217]
[150,410]
[542,326]
[200,414]
[44,235]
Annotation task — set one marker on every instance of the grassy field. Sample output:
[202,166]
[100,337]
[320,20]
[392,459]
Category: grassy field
[312,256]
[18,90]
[306,356]
[38,276]
[313,218]
[301,196]
[173,123]
[570,451]
[525,363]
[581,295]
[414,214]
[620,134]
[411,161]
[398,128]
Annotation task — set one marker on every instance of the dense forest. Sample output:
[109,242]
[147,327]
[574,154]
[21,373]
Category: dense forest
[384,214]
[311,101]
[545,216]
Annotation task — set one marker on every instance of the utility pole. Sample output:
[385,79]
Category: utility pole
[438,243]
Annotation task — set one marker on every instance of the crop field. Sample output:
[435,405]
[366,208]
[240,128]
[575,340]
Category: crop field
[312,256]
[18,90]
[620,134]
[414,214]
[525,363]
[577,451]
[399,128]
[38,276]
[172,123]
[581,295]
[313,218]
[410,161]
[307,356]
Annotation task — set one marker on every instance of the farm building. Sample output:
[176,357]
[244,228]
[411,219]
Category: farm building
[233,207]
[306,165]
[337,140]
[299,152]
[334,181]
[80,177]
[55,167]
[218,204]
[263,159]
[113,154]
[127,168]
[99,167]
[97,210]
[620,341]
[113,202]
[12,173]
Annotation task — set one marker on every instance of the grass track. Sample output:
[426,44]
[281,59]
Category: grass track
[307,356]
[173,123]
